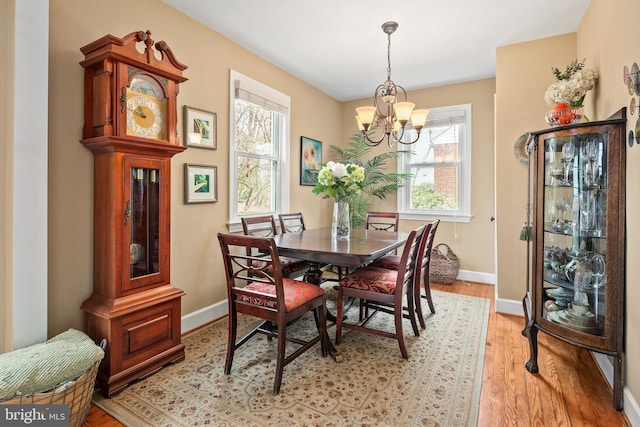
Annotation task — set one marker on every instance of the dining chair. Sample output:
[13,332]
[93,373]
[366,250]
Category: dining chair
[392,262]
[422,273]
[383,290]
[387,221]
[265,226]
[291,222]
[256,287]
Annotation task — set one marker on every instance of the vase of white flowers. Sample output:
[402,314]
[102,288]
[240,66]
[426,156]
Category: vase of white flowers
[340,181]
[341,221]
[571,86]
[567,93]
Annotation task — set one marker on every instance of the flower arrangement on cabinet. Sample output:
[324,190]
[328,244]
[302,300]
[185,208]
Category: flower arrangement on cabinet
[571,86]
[339,180]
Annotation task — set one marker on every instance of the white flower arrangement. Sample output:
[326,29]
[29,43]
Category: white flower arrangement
[571,86]
[339,180]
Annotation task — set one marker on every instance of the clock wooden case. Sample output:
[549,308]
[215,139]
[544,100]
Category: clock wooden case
[130,117]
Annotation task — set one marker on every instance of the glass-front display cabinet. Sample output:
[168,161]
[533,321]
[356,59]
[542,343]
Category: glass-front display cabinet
[577,251]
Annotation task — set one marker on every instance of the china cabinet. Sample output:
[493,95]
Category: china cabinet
[130,91]
[577,253]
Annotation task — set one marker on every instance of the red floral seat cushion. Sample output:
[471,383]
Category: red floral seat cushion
[289,265]
[296,293]
[390,262]
[375,279]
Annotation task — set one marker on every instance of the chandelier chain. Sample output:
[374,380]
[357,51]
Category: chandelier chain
[389,57]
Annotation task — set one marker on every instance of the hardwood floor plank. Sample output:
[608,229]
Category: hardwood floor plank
[569,390]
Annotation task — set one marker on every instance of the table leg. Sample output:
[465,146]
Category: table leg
[314,275]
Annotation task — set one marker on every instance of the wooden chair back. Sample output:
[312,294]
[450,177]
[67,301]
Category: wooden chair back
[265,226]
[387,221]
[291,222]
[259,226]
[422,271]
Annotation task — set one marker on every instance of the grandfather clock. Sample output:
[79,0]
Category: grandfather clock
[130,115]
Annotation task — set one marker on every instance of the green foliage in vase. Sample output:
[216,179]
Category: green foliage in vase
[377,183]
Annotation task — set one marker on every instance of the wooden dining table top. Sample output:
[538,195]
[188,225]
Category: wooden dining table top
[317,245]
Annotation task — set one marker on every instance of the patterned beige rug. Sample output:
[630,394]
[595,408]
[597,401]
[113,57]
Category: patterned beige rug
[438,386]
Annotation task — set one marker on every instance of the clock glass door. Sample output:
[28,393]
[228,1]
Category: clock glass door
[144,218]
[144,221]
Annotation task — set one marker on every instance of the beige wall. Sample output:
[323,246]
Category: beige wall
[464,238]
[195,266]
[608,37]
[6,173]
[523,73]
[608,40]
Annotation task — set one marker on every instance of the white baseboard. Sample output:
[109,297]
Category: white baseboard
[475,276]
[203,316]
[508,306]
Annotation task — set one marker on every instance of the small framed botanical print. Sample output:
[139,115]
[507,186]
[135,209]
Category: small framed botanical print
[200,183]
[200,128]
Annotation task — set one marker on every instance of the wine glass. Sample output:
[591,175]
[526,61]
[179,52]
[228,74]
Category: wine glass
[587,213]
[592,152]
[567,155]
[562,206]
[599,270]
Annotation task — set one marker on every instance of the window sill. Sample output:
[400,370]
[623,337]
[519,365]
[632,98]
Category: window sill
[432,217]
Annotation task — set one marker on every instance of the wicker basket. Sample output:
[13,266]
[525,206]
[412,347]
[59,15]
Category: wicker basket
[444,266]
[76,393]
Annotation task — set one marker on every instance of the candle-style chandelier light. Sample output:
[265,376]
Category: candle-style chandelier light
[387,115]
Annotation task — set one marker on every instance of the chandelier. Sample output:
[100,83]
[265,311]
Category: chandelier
[387,113]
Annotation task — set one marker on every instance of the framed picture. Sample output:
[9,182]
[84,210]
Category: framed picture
[200,183]
[200,128]
[310,160]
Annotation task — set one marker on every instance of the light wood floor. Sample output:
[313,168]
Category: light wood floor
[569,390]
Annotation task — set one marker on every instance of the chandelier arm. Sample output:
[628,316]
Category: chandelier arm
[396,137]
[412,142]
[370,142]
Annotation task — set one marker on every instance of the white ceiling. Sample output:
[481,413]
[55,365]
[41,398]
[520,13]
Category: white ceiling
[338,46]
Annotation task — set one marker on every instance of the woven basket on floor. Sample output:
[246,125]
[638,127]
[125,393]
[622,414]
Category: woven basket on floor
[76,393]
[444,266]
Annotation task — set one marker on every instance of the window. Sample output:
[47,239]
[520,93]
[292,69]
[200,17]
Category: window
[259,149]
[440,167]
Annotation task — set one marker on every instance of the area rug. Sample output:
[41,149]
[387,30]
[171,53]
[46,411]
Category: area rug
[373,386]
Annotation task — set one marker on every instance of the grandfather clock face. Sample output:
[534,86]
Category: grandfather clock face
[146,108]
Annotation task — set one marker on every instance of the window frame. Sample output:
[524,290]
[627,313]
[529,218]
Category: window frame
[281,103]
[463,213]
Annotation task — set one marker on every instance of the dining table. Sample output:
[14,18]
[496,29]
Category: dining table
[318,247]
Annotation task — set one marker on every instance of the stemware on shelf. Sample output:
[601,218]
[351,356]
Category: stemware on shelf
[568,150]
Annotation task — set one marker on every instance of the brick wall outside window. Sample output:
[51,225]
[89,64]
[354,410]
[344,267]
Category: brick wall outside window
[446,178]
